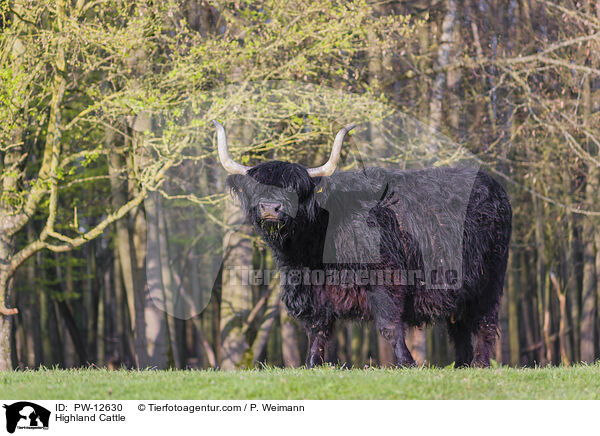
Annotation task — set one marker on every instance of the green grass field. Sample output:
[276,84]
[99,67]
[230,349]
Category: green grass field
[578,382]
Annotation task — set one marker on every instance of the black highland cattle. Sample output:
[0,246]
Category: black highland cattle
[322,225]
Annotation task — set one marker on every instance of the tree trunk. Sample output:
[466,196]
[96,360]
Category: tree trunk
[416,341]
[513,311]
[590,278]
[446,46]
[7,226]
[541,275]
[11,173]
[123,244]
[356,333]
[34,308]
[289,341]
[168,285]
[385,352]
[204,349]
[122,326]
[156,330]
[5,326]
[262,336]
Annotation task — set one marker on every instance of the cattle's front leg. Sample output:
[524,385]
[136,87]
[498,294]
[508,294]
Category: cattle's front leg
[400,349]
[485,337]
[460,335]
[317,341]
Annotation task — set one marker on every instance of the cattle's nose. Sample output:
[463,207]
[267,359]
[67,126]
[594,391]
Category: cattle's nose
[269,209]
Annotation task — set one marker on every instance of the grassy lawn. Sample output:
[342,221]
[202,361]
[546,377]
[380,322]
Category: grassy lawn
[579,382]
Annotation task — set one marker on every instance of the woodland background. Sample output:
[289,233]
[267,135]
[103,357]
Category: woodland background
[515,82]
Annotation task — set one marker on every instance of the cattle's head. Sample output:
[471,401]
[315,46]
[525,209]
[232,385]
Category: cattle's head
[277,197]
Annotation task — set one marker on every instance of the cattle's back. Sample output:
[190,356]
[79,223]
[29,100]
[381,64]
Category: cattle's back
[429,205]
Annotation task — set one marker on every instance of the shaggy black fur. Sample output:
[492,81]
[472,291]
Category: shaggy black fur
[376,220]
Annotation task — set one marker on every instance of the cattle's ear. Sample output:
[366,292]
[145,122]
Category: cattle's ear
[237,185]
[321,190]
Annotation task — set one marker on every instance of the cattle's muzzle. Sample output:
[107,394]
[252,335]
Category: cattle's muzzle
[269,211]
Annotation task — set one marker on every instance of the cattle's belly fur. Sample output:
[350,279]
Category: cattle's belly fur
[419,306]
[350,302]
[322,305]
[319,306]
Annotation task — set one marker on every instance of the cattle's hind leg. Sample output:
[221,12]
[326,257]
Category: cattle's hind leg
[387,316]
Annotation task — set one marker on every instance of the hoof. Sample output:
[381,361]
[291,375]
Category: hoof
[314,362]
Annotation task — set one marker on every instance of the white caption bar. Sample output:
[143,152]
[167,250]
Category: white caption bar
[250,417]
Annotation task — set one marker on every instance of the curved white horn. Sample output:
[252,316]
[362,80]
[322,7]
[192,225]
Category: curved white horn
[228,163]
[334,157]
